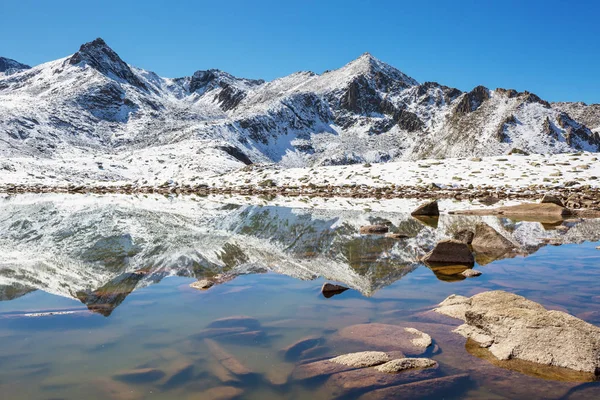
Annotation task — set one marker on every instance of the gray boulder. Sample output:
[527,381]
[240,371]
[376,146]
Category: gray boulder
[512,327]
[487,238]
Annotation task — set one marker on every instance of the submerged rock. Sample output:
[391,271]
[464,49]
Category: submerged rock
[387,337]
[218,393]
[429,209]
[512,327]
[450,252]
[140,375]
[227,360]
[374,229]
[362,359]
[403,364]
[295,350]
[429,388]
[330,289]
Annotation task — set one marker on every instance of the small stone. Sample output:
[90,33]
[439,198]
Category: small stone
[395,235]
[330,289]
[403,364]
[202,284]
[362,359]
[470,273]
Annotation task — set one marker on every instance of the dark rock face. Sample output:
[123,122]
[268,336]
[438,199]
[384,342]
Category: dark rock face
[509,121]
[99,56]
[473,100]
[7,64]
[576,132]
[236,153]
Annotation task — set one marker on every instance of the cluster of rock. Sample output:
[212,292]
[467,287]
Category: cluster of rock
[575,198]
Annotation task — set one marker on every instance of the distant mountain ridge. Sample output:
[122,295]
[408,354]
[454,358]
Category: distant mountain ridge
[94,103]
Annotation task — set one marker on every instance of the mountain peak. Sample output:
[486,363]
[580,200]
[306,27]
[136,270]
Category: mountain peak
[98,55]
[8,64]
[370,66]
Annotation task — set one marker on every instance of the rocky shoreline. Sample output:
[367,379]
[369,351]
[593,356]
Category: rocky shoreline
[585,197]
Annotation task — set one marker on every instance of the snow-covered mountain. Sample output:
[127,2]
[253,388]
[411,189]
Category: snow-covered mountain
[93,105]
[9,66]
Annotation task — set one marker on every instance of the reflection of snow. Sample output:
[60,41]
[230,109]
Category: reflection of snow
[70,244]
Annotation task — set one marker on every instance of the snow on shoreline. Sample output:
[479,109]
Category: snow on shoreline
[512,172]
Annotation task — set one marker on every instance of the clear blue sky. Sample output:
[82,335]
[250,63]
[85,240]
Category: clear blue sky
[551,48]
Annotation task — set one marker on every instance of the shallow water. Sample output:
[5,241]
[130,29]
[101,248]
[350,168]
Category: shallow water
[118,269]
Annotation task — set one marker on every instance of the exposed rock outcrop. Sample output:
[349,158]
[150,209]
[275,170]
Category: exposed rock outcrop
[511,326]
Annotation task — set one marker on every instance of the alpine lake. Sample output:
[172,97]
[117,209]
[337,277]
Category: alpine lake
[96,303]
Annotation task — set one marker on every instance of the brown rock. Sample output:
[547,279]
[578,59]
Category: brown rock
[227,360]
[373,229]
[317,368]
[330,289]
[429,388]
[512,327]
[402,364]
[395,235]
[450,252]
[429,209]
[346,382]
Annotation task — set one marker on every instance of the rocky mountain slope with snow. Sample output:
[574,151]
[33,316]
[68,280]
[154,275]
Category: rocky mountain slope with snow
[92,108]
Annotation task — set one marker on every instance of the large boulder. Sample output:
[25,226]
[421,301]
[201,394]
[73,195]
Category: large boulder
[450,252]
[429,209]
[512,327]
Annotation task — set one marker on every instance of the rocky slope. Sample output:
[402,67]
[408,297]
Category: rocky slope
[93,105]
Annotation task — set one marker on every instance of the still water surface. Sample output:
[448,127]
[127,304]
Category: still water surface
[116,271]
